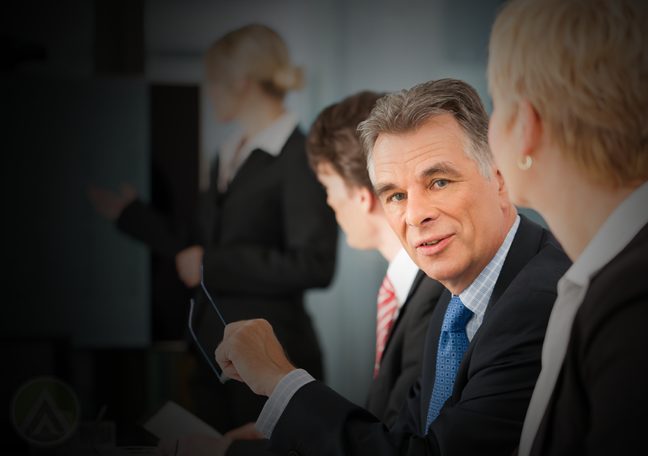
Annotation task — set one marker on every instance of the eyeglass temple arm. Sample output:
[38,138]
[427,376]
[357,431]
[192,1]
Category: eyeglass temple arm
[202,283]
[193,334]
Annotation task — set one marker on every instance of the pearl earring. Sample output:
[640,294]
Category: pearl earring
[527,163]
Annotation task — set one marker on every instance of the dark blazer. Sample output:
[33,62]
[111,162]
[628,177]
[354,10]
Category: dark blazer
[400,365]
[492,390]
[266,240]
[402,359]
[269,237]
[600,402]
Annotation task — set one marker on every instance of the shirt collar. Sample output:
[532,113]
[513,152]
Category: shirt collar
[270,140]
[623,224]
[402,272]
[476,296]
[274,137]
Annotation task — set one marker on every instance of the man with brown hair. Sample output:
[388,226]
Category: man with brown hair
[446,200]
[407,296]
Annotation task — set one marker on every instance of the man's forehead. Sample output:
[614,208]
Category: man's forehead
[437,131]
[438,140]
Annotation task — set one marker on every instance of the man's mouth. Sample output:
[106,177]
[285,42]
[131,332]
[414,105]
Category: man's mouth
[434,246]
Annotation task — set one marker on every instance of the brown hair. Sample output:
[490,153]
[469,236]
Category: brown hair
[404,111]
[256,51]
[333,138]
[583,65]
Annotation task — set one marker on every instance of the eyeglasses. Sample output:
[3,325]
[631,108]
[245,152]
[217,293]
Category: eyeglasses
[222,376]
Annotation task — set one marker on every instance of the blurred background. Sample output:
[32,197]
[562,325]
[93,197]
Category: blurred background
[113,91]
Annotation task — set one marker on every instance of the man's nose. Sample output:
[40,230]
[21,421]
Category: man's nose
[420,210]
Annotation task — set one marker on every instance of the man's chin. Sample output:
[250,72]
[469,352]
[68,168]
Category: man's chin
[437,270]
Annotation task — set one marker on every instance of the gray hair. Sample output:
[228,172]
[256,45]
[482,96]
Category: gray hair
[405,111]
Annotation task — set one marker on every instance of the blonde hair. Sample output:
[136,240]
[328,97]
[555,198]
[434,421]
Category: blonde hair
[256,51]
[583,65]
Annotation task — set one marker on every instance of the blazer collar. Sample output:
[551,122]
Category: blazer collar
[256,157]
[420,275]
[524,247]
[417,281]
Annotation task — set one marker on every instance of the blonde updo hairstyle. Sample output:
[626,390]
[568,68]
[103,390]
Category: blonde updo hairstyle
[583,65]
[258,52]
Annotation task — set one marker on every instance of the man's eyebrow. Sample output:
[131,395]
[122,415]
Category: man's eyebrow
[443,168]
[381,189]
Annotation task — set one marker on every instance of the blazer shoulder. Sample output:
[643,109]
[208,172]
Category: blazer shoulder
[545,269]
[295,145]
[619,285]
[534,264]
[548,263]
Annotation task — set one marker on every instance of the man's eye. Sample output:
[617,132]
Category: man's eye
[441,183]
[396,197]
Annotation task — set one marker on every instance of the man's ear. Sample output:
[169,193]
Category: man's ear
[366,199]
[505,200]
[528,129]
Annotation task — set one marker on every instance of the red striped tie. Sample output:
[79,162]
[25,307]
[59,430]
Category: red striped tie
[386,309]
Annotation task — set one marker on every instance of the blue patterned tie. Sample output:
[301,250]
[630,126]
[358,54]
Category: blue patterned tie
[452,346]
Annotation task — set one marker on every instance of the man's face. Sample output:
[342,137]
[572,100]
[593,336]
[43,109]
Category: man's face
[348,208]
[448,217]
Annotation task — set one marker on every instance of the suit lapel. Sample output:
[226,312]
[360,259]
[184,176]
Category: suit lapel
[256,161]
[417,281]
[524,247]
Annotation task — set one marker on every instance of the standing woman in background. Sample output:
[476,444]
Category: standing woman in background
[263,230]
[569,130]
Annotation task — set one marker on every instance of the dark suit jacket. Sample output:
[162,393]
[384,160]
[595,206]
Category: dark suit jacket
[492,390]
[600,403]
[269,237]
[402,359]
[400,365]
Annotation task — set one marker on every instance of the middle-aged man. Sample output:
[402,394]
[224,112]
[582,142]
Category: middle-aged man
[407,296]
[446,200]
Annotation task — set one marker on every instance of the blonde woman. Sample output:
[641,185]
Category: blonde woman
[569,80]
[263,231]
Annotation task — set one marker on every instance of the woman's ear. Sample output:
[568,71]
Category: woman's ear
[528,129]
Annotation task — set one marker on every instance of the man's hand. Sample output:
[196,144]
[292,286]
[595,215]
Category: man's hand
[251,353]
[188,265]
[245,432]
[195,445]
[110,204]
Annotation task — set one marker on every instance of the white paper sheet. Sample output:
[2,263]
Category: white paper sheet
[172,421]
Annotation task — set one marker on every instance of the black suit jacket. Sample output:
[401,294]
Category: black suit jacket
[492,390]
[402,358]
[600,402]
[400,365]
[269,237]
